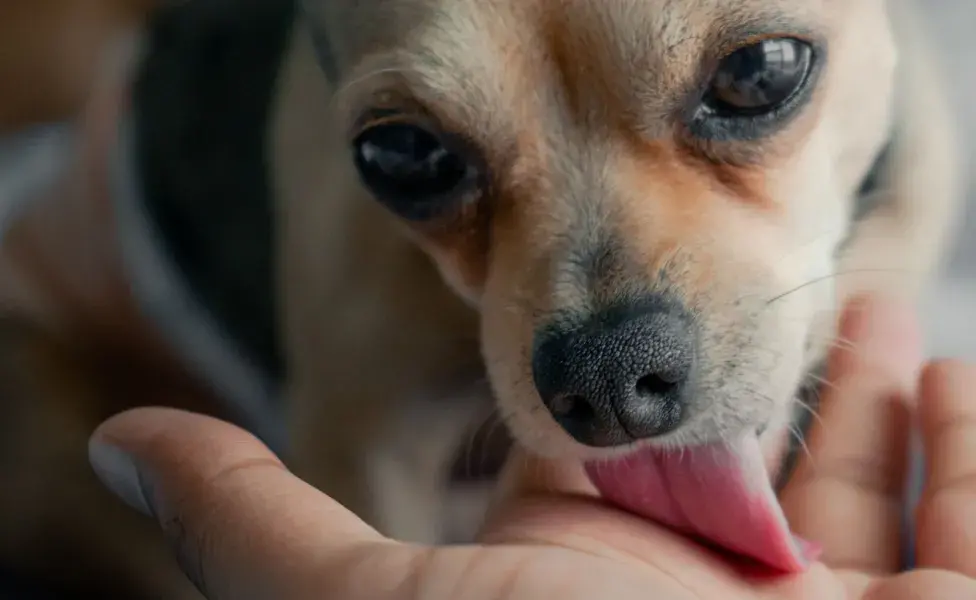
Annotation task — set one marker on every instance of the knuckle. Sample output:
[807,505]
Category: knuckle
[956,426]
[870,474]
[960,484]
[192,524]
[872,568]
[195,523]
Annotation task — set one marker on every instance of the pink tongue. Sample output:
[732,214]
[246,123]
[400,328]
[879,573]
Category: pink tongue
[721,493]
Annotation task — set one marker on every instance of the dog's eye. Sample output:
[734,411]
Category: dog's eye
[411,169]
[759,78]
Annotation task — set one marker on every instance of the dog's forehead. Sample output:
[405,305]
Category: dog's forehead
[490,60]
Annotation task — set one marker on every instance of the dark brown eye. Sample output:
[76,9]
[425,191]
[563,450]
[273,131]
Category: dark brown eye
[410,169]
[759,78]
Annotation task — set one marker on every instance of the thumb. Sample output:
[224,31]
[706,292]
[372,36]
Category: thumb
[240,524]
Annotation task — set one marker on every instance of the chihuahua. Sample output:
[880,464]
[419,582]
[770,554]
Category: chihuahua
[624,228]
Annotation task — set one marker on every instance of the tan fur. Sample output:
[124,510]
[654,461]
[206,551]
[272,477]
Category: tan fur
[570,104]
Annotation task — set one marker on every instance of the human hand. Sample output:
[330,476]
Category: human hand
[243,527]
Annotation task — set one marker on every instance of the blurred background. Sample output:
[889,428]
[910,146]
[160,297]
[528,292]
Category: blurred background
[51,52]
[950,310]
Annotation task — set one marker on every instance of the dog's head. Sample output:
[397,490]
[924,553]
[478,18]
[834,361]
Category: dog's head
[634,194]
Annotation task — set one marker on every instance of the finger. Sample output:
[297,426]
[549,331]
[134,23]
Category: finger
[877,332]
[846,494]
[946,517]
[240,524]
[916,585]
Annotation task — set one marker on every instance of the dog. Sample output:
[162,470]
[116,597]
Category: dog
[626,227]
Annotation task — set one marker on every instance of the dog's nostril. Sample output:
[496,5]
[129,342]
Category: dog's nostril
[574,413]
[572,408]
[655,386]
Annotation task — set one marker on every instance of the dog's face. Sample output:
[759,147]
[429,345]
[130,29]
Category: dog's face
[644,199]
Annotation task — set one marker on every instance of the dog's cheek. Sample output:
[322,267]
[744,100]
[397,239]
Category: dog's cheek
[507,308]
[756,318]
[819,222]
[506,343]
[460,274]
[511,300]
[459,251]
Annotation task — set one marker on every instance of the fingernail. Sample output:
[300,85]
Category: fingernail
[119,473]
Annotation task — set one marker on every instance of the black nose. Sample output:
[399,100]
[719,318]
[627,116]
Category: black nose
[623,375]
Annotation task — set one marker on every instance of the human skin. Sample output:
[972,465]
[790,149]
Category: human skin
[243,527]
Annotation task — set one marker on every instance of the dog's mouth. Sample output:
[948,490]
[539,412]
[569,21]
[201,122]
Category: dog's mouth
[723,494]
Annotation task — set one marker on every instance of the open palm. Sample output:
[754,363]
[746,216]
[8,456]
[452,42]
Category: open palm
[244,527]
